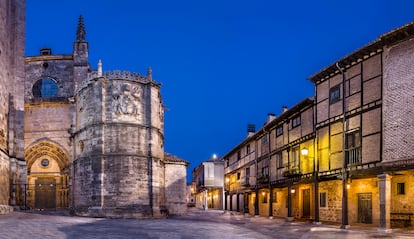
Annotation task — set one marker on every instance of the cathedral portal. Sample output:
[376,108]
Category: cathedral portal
[47,178]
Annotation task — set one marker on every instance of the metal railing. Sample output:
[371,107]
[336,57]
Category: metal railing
[353,156]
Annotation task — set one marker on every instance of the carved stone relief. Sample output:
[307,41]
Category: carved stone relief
[126,100]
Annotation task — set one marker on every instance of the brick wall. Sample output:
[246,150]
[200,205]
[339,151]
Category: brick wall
[398,90]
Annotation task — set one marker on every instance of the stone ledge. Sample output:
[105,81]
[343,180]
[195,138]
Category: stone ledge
[5,209]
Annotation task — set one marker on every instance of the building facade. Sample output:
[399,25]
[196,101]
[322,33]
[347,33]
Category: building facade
[82,139]
[12,163]
[343,156]
[209,182]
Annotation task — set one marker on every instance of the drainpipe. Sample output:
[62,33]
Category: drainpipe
[345,224]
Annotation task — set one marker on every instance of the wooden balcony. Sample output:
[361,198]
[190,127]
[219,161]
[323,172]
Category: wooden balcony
[292,173]
[263,179]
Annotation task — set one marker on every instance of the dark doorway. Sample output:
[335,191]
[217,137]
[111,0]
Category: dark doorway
[365,208]
[306,203]
[45,193]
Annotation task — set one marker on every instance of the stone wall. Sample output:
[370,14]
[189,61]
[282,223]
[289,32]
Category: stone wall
[12,30]
[118,148]
[175,186]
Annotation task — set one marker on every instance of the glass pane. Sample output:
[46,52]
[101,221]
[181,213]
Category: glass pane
[45,88]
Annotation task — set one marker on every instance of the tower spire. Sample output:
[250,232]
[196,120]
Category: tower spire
[80,32]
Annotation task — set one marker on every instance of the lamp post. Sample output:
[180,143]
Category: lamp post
[305,152]
[344,224]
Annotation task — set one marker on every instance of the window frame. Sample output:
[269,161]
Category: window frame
[323,200]
[279,162]
[400,188]
[279,130]
[296,121]
[335,94]
[45,88]
[274,197]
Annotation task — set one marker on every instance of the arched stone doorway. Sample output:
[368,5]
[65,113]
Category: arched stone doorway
[47,175]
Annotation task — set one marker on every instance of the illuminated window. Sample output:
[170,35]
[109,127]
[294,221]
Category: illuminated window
[264,199]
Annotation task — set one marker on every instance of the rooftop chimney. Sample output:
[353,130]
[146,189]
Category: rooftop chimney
[284,109]
[270,117]
[45,51]
[251,129]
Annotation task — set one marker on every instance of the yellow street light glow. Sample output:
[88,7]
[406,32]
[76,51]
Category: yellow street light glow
[304,151]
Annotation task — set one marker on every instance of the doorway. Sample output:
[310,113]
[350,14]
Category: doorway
[365,208]
[45,191]
[306,203]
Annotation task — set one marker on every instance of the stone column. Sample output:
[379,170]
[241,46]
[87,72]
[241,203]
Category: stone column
[385,201]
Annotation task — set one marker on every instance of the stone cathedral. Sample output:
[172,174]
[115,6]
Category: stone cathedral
[77,138]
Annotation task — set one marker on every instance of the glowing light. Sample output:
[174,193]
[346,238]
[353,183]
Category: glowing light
[214,156]
[348,186]
[292,190]
[304,151]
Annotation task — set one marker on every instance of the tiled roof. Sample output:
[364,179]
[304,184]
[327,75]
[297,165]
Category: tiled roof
[174,159]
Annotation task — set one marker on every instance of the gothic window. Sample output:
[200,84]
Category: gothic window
[45,88]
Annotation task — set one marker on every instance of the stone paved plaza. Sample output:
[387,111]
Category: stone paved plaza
[198,224]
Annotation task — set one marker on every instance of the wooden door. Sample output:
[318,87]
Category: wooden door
[306,203]
[45,193]
[365,208]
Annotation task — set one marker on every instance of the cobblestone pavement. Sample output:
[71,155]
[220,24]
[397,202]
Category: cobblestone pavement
[198,224]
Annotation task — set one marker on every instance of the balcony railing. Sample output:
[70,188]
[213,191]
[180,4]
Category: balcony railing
[353,156]
[244,181]
[240,163]
[263,179]
[292,172]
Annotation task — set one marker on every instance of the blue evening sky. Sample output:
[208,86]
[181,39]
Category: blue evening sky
[222,63]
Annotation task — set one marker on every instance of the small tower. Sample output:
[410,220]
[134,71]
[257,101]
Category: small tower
[80,54]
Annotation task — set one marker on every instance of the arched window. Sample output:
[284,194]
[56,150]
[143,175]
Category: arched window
[45,88]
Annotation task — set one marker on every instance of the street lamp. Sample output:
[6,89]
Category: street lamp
[305,152]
